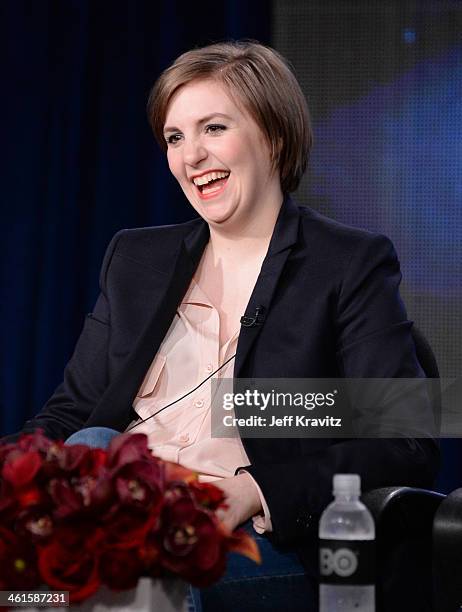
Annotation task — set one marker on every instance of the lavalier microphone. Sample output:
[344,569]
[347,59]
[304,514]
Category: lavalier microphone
[257,319]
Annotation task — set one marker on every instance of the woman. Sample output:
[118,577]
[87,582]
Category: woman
[319,299]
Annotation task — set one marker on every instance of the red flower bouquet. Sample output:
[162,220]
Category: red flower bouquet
[74,518]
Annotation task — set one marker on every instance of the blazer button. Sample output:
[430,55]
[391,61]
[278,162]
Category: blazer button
[184,438]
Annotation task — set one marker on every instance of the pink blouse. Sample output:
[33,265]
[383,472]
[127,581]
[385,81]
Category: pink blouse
[181,433]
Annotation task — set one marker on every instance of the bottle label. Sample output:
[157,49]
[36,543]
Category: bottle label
[347,561]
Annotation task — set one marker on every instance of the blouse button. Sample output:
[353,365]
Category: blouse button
[199,403]
[209,367]
[184,438]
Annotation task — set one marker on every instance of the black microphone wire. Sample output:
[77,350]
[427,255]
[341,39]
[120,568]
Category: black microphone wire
[183,396]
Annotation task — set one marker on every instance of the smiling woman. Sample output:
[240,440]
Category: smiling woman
[235,148]
[319,299]
[261,83]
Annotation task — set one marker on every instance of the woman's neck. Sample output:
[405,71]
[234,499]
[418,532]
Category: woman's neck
[248,239]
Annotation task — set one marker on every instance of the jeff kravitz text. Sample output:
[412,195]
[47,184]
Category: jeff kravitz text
[288,420]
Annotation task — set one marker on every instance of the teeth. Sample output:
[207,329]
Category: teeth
[211,176]
[211,189]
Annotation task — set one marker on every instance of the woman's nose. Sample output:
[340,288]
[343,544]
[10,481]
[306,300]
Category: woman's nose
[194,152]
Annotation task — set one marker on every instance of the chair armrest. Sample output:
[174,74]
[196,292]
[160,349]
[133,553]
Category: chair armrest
[447,552]
[404,520]
[416,507]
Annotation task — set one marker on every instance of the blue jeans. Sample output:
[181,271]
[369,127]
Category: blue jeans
[279,583]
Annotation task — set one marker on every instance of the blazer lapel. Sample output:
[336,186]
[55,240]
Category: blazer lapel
[284,236]
[114,409]
[167,291]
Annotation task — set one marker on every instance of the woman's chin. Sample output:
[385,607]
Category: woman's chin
[215,212]
[216,219]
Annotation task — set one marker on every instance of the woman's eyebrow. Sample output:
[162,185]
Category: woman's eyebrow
[169,128]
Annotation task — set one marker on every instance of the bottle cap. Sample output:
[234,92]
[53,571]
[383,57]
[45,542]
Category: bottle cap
[347,484]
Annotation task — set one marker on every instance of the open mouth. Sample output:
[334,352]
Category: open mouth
[211,184]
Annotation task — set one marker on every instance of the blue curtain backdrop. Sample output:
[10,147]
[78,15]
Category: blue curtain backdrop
[80,161]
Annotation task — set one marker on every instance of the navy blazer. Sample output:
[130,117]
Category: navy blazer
[332,309]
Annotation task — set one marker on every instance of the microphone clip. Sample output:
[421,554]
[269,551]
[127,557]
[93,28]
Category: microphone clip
[254,321]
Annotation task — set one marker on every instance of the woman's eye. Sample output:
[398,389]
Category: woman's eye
[215,128]
[173,139]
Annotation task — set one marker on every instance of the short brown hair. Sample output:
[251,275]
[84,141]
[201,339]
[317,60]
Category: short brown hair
[262,81]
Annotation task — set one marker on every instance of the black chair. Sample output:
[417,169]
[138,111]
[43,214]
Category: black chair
[411,573]
[447,553]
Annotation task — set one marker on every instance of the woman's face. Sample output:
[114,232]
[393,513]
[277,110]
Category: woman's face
[218,154]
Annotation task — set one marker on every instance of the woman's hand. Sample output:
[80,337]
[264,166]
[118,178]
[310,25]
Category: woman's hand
[242,499]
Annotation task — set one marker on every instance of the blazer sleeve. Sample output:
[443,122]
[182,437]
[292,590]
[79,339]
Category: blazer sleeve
[85,376]
[373,341]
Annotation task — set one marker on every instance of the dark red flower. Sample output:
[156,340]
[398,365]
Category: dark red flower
[208,495]
[34,524]
[36,441]
[73,517]
[20,469]
[178,473]
[126,527]
[140,484]
[83,496]
[80,460]
[120,569]
[8,503]
[126,448]
[20,473]
[70,562]
[193,544]
[149,553]
[18,563]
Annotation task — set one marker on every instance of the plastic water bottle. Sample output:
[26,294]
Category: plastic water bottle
[347,551]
